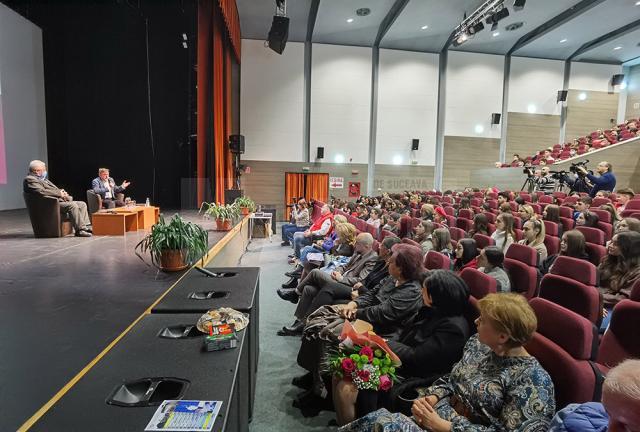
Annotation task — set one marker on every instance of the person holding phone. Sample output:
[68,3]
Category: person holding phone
[300,217]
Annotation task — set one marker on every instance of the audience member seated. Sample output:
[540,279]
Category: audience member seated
[36,183]
[424,235]
[374,217]
[316,231]
[619,269]
[551,213]
[358,267]
[587,219]
[427,212]
[504,234]
[441,239]
[505,208]
[335,249]
[393,223]
[106,187]
[496,386]
[465,253]
[610,208]
[619,410]
[627,224]
[490,262]
[526,212]
[480,225]
[440,217]
[427,346]
[572,245]
[624,196]
[582,205]
[534,232]
[300,216]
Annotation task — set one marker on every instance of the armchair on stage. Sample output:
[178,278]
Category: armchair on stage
[45,216]
[94,201]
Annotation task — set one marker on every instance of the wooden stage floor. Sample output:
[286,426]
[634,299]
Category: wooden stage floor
[62,301]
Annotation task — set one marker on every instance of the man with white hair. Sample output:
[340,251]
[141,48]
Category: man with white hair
[36,183]
[621,396]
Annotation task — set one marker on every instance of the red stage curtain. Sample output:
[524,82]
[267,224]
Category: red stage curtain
[232,20]
[204,90]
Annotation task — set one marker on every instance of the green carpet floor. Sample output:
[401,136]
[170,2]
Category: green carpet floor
[274,394]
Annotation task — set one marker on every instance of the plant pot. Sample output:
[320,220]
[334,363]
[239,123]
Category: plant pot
[244,210]
[171,261]
[223,225]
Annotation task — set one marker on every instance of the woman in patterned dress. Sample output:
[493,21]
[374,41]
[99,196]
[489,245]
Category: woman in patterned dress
[497,386]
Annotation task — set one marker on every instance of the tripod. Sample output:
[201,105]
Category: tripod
[529,183]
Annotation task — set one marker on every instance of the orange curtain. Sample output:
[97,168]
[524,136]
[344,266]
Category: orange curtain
[219,138]
[229,11]
[203,95]
[317,187]
[228,113]
[293,187]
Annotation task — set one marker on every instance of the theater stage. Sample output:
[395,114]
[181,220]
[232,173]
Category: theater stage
[64,300]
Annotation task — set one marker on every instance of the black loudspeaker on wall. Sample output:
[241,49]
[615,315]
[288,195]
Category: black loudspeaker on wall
[415,143]
[320,153]
[230,195]
[617,79]
[562,95]
[279,33]
[495,118]
[236,144]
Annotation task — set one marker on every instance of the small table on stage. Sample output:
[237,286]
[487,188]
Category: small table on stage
[114,223]
[266,217]
[147,216]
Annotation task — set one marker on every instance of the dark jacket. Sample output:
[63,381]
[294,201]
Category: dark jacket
[388,307]
[431,343]
[379,271]
[358,267]
[606,182]
[98,187]
[545,265]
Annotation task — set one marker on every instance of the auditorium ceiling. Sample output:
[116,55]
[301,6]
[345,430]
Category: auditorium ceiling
[606,30]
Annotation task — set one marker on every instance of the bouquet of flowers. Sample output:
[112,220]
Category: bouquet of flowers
[370,368]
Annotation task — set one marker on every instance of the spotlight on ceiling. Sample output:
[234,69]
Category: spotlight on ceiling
[477,27]
[462,38]
[363,11]
[518,5]
[501,14]
[494,26]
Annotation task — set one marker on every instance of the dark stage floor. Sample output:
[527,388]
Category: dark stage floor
[62,301]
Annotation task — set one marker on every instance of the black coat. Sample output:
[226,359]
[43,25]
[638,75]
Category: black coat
[388,307]
[431,343]
[379,271]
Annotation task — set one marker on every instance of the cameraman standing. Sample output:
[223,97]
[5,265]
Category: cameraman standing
[545,183]
[606,181]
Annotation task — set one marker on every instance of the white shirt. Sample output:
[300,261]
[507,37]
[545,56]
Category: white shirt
[108,194]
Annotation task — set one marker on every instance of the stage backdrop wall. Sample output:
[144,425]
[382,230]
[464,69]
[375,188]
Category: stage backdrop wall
[340,102]
[271,107]
[22,111]
[407,107]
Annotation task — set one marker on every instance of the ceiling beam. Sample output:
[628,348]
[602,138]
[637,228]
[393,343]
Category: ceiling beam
[389,19]
[555,22]
[311,20]
[599,41]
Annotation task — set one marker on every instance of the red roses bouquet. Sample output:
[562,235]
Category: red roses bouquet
[370,365]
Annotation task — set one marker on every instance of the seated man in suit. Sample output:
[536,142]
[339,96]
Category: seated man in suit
[105,186]
[36,182]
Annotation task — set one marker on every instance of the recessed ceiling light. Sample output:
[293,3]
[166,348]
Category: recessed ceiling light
[638,3]
[424,27]
[363,11]
[563,40]
[617,48]
[496,34]
[350,20]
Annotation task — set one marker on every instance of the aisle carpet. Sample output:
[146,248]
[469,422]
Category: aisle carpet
[273,411]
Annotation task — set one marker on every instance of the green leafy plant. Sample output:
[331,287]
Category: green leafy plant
[177,235]
[245,202]
[222,212]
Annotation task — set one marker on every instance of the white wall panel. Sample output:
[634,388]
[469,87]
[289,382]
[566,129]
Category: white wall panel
[22,102]
[474,91]
[407,107]
[340,102]
[592,76]
[534,85]
[271,101]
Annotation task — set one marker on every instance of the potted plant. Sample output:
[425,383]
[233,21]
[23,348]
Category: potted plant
[223,214]
[175,245]
[246,204]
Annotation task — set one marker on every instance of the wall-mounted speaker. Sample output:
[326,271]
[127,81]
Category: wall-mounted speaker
[562,96]
[617,79]
[495,118]
[320,153]
[236,144]
[279,33]
[415,143]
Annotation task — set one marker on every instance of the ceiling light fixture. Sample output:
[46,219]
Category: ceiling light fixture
[350,20]
[424,27]
[617,48]
[363,11]
[495,34]
[638,3]
[518,5]
[472,24]
[563,40]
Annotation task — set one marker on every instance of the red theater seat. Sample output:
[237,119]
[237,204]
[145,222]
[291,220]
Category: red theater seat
[573,295]
[551,228]
[482,241]
[521,263]
[563,344]
[465,214]
[552,244]
[603,215]
[592,235]
[479,284]
[457,233]
[435,260]
[411,242]
[596,252]
[567,223]
[621,340]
